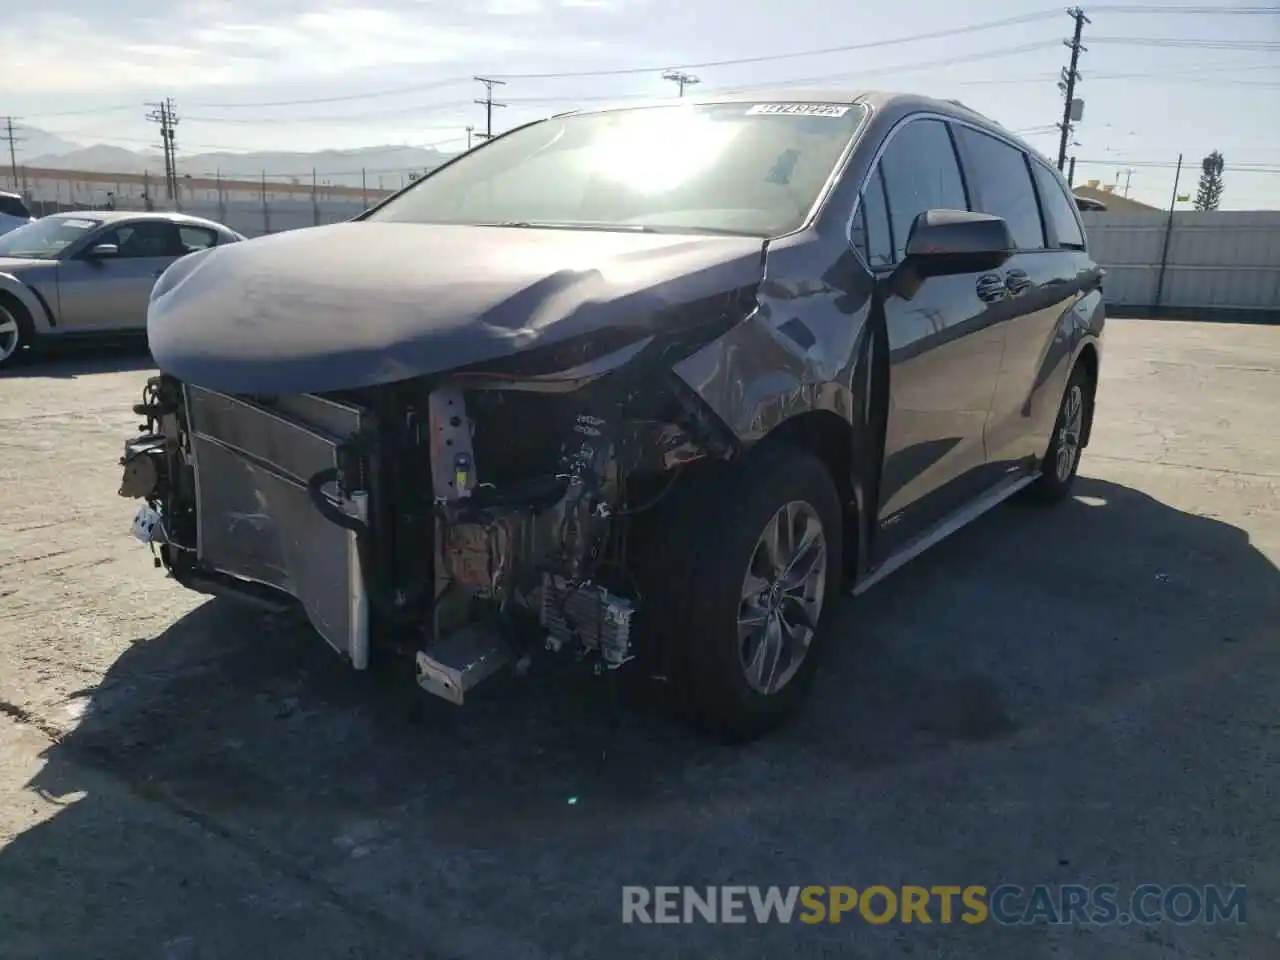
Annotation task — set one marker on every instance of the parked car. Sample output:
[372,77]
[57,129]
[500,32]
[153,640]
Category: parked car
[647,386]
[13,212]
[90,274]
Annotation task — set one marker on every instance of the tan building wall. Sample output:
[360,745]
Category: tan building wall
[1105,193]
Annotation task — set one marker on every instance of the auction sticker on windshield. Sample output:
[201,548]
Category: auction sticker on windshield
[801,109]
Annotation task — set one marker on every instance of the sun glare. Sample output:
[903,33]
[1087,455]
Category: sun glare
[656,151]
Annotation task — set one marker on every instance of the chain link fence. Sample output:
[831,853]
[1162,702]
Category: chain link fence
[271,205]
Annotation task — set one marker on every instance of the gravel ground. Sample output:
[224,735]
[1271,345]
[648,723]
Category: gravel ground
[1081,695]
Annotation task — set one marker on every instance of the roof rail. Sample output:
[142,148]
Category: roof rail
[964,106]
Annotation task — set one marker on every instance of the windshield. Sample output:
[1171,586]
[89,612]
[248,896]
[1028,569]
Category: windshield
[44,239]
[752,169]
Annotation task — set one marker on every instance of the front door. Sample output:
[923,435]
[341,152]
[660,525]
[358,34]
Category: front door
[107,294]
[944,342]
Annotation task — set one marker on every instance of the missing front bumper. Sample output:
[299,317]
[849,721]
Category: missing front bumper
[254,518]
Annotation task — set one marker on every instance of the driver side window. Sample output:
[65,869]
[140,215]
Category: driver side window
[144,239]
[920,173]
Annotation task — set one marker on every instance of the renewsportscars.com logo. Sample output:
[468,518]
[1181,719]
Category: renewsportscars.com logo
[1007,904]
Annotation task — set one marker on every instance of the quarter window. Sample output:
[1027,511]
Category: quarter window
[1059,209]
[12,206]
[920,173]
[871,234]
[197,238]
[1001,185]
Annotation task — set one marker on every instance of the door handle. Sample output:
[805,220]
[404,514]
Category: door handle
[991,288]
[1018,281]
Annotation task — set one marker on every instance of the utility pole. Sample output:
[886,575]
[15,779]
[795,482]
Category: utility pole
[489,103]
[13,153]
[1071,172]
[1168,233]
[681,79]
[1067,84]
[164,114]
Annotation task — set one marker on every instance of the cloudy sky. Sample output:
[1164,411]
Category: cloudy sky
[288,74]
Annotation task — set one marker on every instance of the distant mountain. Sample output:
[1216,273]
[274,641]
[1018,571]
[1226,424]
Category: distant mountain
[98,158]
[35,142]
[383,166]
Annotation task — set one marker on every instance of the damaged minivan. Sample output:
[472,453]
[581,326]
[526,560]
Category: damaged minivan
[648,387]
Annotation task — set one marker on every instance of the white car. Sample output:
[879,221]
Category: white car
[13,212]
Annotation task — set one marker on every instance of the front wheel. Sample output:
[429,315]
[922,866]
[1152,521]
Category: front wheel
[15,332]
[749,573]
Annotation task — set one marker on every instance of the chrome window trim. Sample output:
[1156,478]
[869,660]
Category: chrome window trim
[838,170]
[945,118]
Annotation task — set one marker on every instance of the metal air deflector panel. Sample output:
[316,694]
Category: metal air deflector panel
[254,518]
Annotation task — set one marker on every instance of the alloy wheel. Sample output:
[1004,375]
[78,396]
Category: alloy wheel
[1069,432]
[782,597]
[10,335]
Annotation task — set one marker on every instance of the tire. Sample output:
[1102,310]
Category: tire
[1062,459]
[15,331]
[697,567]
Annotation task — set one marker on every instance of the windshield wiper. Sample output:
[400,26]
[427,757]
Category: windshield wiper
[550,225]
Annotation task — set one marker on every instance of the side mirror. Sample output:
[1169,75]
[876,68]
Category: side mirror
[102,251]
[945,242]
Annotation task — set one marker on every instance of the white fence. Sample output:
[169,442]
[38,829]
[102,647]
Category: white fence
[1211,261]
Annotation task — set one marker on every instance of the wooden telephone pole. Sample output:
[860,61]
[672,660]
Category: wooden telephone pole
[489,103]
[1070,76]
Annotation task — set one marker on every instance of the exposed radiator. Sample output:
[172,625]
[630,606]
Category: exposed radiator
[255,519]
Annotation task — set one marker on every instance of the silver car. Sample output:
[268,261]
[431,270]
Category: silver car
[90,274]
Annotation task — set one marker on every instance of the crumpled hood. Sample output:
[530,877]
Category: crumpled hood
[359,304]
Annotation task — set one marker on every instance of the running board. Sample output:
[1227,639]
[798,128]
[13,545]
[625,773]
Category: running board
[958,520]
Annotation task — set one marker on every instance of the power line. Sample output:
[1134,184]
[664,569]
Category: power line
[1163,10]
[1166,164]
[445,106]
[392,92]
[1266,46]
[770,58]
[933,35]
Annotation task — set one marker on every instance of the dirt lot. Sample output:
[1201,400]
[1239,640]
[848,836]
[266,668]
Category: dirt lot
[1085,695]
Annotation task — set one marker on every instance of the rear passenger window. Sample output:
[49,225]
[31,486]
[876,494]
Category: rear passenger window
[197,238]
[871,226]
[920,173]
[1000,184]
[1059,209]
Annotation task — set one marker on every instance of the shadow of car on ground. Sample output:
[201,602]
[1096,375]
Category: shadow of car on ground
[249,725]
[79,358]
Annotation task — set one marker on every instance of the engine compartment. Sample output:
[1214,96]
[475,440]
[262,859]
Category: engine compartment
[490,512]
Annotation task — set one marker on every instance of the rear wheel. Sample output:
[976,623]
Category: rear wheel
[747,573]
[1062,460]
[15,331]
